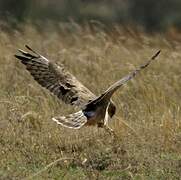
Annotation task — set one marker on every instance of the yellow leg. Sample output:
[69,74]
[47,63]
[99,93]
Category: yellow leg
[109,130]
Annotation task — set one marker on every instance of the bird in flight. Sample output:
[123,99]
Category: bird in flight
[94,110]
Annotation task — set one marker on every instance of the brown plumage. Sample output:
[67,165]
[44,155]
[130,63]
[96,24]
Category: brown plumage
[94,109]
[55,78]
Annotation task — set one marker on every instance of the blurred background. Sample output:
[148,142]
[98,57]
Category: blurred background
[151,15]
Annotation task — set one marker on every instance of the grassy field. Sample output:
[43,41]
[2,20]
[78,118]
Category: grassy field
[149,104]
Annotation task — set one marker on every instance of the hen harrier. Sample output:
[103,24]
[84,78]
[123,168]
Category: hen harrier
[94,110]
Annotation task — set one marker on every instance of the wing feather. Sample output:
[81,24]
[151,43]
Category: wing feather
[55,78]
[110,91]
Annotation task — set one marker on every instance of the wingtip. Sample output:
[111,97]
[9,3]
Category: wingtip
[26,46]
[29,48]
[19,57]
[155,55]
[21,51]
[159,51]
[15,55]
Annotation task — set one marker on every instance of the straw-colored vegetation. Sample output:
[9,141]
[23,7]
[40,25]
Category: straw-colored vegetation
[150,104]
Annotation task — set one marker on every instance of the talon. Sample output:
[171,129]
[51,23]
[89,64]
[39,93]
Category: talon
[109,130]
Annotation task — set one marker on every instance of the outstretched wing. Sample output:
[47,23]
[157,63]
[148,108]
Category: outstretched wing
[55,78]
[74,121]
[110,91]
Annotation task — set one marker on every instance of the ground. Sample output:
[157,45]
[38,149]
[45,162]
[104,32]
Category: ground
[148,147]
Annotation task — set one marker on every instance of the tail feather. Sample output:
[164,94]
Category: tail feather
[74,121]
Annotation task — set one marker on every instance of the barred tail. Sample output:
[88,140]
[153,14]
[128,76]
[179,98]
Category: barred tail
[74,121]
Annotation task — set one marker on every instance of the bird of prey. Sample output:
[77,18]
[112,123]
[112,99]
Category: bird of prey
[94,110]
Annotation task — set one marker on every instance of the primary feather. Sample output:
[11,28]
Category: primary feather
[55,78]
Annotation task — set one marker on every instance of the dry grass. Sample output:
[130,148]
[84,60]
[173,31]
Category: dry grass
[151,103]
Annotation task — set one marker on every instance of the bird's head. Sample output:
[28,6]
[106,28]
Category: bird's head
[111,109]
